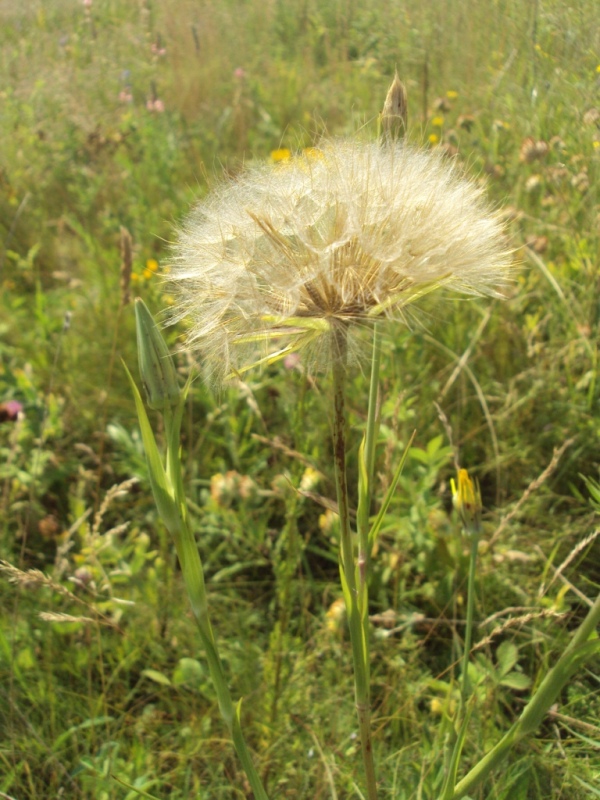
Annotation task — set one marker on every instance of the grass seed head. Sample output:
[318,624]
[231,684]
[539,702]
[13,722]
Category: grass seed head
[351,232]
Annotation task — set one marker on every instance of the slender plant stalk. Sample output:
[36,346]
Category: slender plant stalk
[469,626]
[580,649]
[370,440]
[467,500]
[355,590]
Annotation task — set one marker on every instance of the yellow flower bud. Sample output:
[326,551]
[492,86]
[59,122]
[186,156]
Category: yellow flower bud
[467,502]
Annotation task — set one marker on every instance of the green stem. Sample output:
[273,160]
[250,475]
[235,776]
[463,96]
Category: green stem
[451,765]
[355,593]
[579,650]
[371,433]
[193,575]
[194,580]
[469,627]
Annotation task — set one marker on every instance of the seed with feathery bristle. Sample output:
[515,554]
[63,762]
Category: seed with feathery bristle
[352,232]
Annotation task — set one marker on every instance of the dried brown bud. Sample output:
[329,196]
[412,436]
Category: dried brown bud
[466,121]
[442,104]
[532,151]
[395,110]
[591,117]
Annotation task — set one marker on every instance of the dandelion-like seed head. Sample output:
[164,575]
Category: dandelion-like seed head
[289,254]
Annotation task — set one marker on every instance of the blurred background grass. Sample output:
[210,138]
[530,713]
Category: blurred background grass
[121,114]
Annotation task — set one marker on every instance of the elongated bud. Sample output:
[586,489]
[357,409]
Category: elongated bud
[467,501]
[156,364]
[395,110]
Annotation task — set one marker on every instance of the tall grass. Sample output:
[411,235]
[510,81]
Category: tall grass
[78,160]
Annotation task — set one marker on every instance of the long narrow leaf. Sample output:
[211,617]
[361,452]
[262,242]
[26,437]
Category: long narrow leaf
[373,533]
[167,508]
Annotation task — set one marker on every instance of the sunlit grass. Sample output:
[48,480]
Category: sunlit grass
[84,150]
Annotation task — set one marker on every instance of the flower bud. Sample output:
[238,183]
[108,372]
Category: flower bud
[467,502]
[395,110]
[156,364]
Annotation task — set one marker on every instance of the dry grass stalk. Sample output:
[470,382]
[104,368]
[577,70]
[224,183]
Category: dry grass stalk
[533,487]
[54,616]
[574,552]
[35,579]
[277,444]
[118,490]
[515,622]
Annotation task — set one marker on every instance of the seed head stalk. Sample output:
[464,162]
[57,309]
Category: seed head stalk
[367,457]
[353,577]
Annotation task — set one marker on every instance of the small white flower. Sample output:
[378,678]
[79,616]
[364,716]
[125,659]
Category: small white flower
[337,238]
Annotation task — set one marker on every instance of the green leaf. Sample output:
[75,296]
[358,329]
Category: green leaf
[373,533]
[516,680]
[420,455]
[594,792]
[135,789]
[161,489]
[507,656]
[157,677]
[363,483]
[88,723]
[188,672]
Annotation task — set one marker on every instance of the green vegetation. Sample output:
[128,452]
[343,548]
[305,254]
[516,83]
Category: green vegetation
[118,115]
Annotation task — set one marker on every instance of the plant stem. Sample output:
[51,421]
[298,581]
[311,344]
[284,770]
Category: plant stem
[469,626]
[578,650]
[193,575]
[372,430]
[355,592]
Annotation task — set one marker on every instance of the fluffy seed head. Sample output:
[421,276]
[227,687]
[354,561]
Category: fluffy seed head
[337,238]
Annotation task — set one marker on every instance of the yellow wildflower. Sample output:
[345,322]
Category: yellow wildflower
[281,154]
[335,616]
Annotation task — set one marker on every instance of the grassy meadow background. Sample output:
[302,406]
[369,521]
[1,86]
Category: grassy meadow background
[121,113]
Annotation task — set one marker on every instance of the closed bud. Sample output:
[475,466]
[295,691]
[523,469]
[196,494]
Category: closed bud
[156,364]
[395,110]
[467,501]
